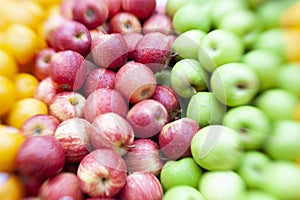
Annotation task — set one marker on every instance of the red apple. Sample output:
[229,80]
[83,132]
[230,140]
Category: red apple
[69,35]
[91,13]
[99,78]
[68,70]
[45,91]
[104,100]
[168,97]
[66,8]
[141,8]
[154,50]
[74,137]
[158,23]
[40,157]
[131,40]
[40,124]
[125,22]
[32,185]
[143,185]
[113,132]
[41,67]
[66,105]
[109,50]
[144,157]
[64,185]
[135,81]
[114,7]
[175,138]
[102,173]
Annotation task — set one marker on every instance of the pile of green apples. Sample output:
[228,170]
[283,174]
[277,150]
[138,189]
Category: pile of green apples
[233,77]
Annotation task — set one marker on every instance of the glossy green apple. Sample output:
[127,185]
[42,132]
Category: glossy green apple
[188,77]
[234,84]
[251,123]
[222,185]
[278,104]
[251,167]
[183,192]
[205,109]
[266,64]
[288,77]
[173,5]
[217,147]
[219,47]
[284,142]
[186,45]
[259,195]
[184,171]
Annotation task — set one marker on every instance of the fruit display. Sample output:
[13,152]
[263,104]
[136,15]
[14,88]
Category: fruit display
[149,100]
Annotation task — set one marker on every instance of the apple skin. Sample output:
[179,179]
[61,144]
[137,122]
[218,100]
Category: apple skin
[147,118]
[205,109]
[144,156]
[184,171]
[219,47]
[109,50]
[132,88]
[112,131]
[45,91]
[188,77]
[104,100]
[66,105]
[234,84]
[217,147]
[102,173]
[158,22]
[99,78]
[142,184]
[288,77]
[40,124]
[229,185]
[182,192]
[168,98]
[132,39]
[70,35]
[65,8]
[163,77]
[125,22]
[258,194]
[251,123]
[32,186]
[91,13]
[74,136]
[63,185]
[40,156]
[114,7]
[41,67]
[175,138]
[142,9]
[68,70]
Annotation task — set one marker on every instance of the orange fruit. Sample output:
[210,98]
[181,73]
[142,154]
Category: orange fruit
[291,17]
[21,42]
[8,66]
[10,141]
[292,41]
[25,85]
[11,187]
[23,109]
[7,94]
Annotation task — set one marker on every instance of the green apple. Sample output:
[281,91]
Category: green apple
[219,47]
[183,192]
[173,5]
[251,123]
[222,185]
[184,171]
[266,64]
[205,109]
[188,77]
[288,78]
[278,104]
[192,15]
[234,84]
[259,195]
[251,167]
[217,147]
[282,180]
[186,45]
[163,77]
[284,142]
[244,23]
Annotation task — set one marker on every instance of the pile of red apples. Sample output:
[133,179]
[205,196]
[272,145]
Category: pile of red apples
[111,126]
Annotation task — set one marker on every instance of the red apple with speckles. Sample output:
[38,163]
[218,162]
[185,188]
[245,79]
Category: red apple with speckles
[41,67]
[131,40]
[125,22]
[135,81]
[45,91]
[158,22]
[141,8]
